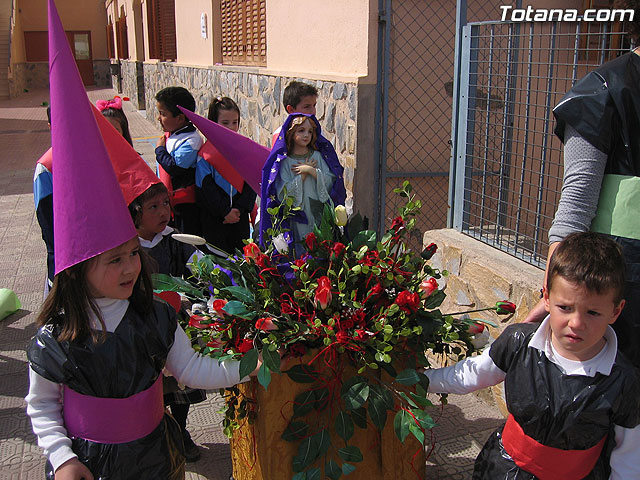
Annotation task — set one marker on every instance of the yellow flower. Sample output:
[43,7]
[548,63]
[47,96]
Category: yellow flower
[341,216]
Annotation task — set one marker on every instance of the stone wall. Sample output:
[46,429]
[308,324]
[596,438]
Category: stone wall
[259,97]
[479,276]
[32,75]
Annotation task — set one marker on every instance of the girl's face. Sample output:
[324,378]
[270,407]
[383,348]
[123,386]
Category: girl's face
[116,124]
[155,216]
[229,119]
[114,273]
[302,135]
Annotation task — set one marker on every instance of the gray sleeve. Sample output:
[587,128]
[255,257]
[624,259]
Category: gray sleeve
[584,168]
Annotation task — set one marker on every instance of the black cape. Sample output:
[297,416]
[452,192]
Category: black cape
[558,410]
[127,362]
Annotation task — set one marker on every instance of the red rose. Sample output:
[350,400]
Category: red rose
[196,321]
[505,308]
[244,346]
[262,260]
[251,251]
[407,301]
[266,324]
[397,224]
[429,251]
[311,242]
[347,323]
[475,327]
[429,286]
[218,306]
[323,296]
[300,262]
[337,250]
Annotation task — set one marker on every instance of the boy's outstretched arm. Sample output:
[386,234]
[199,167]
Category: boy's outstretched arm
[467,376]
[625,461]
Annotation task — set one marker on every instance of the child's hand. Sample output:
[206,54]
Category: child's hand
[73,469]
[162,141]
[304,169]
[311,162]
[233,216]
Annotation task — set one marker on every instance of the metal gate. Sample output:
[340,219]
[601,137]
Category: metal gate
[416,54]
[471,127]
[508,161]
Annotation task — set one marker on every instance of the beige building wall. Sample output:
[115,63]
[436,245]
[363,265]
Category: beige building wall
[90,15]
[193,48]
[323,38]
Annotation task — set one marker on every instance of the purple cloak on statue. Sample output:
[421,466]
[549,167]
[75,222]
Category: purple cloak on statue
[271,169]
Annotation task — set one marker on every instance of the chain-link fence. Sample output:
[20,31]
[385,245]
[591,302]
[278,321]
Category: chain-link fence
[416,87]
[509,162]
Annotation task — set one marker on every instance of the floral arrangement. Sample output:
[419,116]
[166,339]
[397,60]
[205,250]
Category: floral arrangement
[350,301]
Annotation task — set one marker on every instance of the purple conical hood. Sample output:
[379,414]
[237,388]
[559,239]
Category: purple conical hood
[89,212]
[243,154]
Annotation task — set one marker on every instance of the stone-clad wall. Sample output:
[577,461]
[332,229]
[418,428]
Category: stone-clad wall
[32,75]
[259,97]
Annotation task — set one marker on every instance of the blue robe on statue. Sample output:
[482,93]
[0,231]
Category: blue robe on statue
[271,185]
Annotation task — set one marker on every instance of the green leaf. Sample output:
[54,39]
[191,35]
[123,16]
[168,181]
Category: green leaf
[235,307]
[314,474]
[347,469]
[435,299]
[359,416]
[366,237]
[167,283]
[264,376]
[332,470]
[416,432]
[304,403]
[248,362]
[354,225]
[295,431]
[408,377]
[378,405]
[300,476]
[355,392]
[323,440]
[322,398]
[240,293]
[302,373]
[423,418]
[421,400]
[401,424]
[271,359]
[350,453]
[344,425]
[307,453]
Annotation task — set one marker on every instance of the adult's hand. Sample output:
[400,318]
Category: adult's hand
[232,217]
[537,313]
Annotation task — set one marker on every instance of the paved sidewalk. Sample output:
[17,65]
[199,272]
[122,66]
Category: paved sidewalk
[464,424]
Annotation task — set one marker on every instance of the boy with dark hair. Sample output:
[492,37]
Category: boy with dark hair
[298,97]
[573,398]
[177,154]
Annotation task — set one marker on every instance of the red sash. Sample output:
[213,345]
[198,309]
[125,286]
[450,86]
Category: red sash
[222,165]
[181,195]
[548,463]
[45,160]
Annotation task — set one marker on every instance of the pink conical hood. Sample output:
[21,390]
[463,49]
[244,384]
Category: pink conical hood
[89,212]
[245,156]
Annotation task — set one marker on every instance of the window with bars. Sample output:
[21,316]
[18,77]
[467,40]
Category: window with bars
[244,32]
[123,41]
[111,48]
[161,23]
[597,37]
